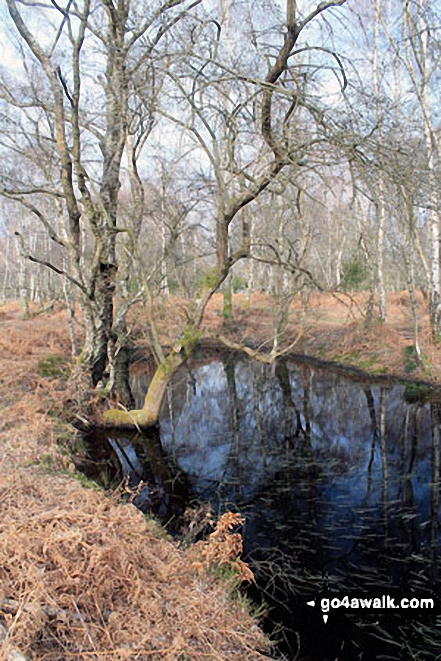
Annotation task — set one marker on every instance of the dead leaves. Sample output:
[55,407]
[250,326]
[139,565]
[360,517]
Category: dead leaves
[85,577]
[223,548]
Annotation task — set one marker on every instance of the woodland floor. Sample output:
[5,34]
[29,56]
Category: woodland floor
[331,328]
[84,575]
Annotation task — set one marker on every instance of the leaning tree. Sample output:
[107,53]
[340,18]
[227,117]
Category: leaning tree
[99,65]
[251,124]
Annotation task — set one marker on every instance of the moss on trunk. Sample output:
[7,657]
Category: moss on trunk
[148,416]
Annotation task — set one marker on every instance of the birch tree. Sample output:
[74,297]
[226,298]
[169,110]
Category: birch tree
[420,60]
[98,65]
[237,182]
[91,59]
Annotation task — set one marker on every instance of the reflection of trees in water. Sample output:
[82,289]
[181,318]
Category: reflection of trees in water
[290,431]
[258,416]
[232,392]
[98,461]
[435,410]
[139,466]
[264,415]
[373,418]
[384,467]
[331,474]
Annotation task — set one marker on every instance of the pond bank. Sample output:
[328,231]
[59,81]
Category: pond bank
[32,428]
[331,329]
[337,477]
[82,575]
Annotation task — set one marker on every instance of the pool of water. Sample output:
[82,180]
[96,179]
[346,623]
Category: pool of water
[338,479]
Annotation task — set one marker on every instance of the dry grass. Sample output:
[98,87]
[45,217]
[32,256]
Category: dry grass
[331,328]
[83,576]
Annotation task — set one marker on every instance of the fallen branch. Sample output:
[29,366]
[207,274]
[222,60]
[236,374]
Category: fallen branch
[44,309]
[267,358]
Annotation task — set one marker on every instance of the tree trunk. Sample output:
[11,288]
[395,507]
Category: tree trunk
[70,317]
[227,306]
[121,376]
[23,283]
[419,65]
[103,327]
[435,301]
[6,274]
[380,208]
[148,416]
[229,205]
[409,260]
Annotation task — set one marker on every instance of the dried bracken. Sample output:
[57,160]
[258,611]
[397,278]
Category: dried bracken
[223,548]
[84,576]
[329,326]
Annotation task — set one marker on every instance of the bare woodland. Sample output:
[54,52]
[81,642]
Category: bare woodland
[183,148]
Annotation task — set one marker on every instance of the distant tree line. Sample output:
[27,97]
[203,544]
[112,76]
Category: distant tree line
[173,148]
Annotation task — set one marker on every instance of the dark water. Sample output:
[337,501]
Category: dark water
[338,480]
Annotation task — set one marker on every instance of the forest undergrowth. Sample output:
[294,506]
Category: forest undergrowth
[328,327]
[84,575]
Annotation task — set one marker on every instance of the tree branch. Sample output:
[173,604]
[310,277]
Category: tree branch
[36,260]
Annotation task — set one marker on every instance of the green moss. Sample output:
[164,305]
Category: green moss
[160,531]
[53,366]
[238,283]
[426,364]
[190,338]
[101,393]
[83,480]
[378,370]
[257,611]
[416,392]
[119,418]
[166,369]
[76,444]
[367,362]
[226,573]
[437,338]
[210,280]
[354,273]
[81,358]
[349,357]
[410,362]
[46,462]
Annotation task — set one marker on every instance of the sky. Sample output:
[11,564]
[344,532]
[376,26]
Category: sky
[7,58]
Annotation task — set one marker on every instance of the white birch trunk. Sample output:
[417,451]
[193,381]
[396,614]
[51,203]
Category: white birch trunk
[381,201]
[23,282]
[417,62]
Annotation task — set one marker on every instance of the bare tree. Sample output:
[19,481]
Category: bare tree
[81,147]
[237,182]
[419,60]
[87,140]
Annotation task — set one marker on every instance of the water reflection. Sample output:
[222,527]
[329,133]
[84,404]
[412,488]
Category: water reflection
[141,471]
[339,482]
